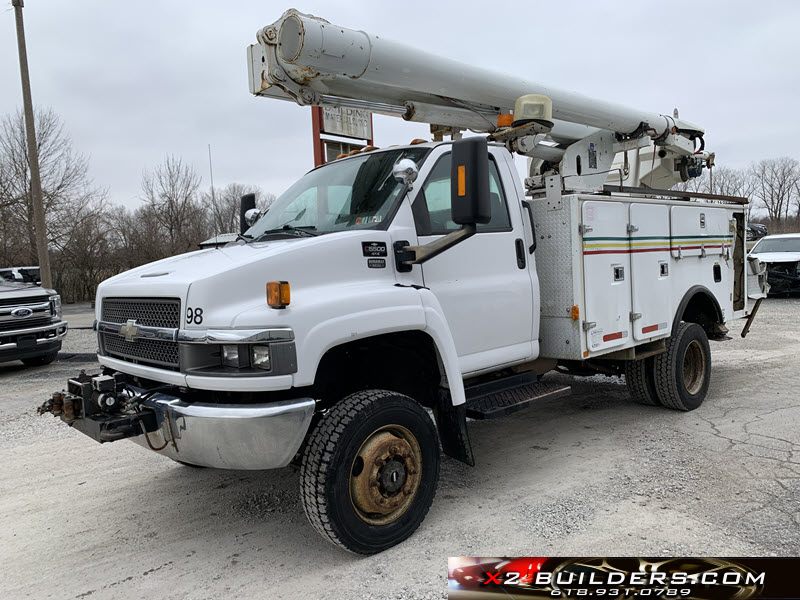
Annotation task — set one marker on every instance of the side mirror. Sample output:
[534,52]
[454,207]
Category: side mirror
[470,200]
[405,171]
[469,182]
[251,216]
[247,203]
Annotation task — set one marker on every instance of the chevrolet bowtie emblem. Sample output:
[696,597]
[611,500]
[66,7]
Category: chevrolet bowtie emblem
[128,331]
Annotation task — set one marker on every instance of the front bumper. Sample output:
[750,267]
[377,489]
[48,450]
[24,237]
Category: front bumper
[781,282]
[107,408]
[24,343]
[230,436]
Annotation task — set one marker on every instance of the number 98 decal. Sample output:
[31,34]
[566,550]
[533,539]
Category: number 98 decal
[194,315]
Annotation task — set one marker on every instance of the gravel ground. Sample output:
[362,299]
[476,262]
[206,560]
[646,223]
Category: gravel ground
[592,474]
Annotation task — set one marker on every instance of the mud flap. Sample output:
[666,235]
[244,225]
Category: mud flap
[451,421]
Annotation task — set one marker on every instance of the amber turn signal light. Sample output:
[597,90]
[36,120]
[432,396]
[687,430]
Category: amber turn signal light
[505,120]
[278,294]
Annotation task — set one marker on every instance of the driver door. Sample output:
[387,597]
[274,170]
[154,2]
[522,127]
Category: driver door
[483,288]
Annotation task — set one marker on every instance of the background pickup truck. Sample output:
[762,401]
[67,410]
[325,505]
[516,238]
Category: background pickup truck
[31,327]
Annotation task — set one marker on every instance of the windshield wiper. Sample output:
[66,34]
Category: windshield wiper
[303,230]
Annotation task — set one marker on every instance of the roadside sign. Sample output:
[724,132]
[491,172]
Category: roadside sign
[347,122]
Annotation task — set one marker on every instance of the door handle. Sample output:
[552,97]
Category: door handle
[520,252]
[533,227]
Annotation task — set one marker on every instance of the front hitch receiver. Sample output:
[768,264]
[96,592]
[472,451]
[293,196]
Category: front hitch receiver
[102,407]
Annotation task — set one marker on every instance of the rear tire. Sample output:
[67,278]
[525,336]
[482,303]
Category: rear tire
[369,471]
[683,372]
[640,378]
[40,361]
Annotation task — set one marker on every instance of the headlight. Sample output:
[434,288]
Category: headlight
[259,357]
[55,305]
[230,356]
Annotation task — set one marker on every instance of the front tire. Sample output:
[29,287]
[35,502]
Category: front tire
[683,371]
[369,471]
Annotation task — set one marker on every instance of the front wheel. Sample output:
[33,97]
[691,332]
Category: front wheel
[683,371]
[369,471]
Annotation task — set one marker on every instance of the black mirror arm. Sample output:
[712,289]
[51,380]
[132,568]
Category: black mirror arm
[416,255]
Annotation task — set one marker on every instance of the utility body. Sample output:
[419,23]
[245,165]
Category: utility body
[424,280]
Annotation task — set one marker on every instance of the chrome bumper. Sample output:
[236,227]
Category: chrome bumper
[229,436]
[59,329]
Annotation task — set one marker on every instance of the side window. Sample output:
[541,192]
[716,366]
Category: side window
[436,198]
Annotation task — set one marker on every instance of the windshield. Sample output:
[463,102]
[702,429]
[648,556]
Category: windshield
[358,193]
[791,244]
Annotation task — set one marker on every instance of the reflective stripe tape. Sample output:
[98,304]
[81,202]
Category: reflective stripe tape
[612,336]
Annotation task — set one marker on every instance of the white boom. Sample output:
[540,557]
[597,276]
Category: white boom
[307,59]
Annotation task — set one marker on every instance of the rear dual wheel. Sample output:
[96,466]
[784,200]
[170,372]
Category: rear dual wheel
[679,377]
[369,471]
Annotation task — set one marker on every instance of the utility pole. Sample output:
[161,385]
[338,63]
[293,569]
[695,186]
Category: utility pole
[33,153]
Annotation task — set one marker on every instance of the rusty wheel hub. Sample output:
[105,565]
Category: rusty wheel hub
[694,368]
[385,475]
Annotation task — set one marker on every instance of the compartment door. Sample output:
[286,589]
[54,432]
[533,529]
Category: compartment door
[606,274]
[700,231]
[651,291]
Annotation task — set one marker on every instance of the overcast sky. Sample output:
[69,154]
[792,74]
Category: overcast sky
[134,81]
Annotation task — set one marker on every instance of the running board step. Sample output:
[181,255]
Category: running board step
[505,402]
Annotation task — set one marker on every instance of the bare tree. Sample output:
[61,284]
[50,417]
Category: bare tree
[170,196]
[776,183]
[66,186]
[728,181]
[695,184]
[223,205]
[84,258]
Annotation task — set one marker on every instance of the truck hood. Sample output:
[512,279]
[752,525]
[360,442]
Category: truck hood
[18,288]
[228,284]
[776,257]
[187,268]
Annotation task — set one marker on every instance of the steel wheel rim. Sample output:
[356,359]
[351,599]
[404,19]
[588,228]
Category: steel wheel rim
[385,475]
[694,368]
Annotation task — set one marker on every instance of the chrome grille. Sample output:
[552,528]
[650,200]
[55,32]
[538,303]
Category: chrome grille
[41,313]
[11,325]
[151,312]
[23,301]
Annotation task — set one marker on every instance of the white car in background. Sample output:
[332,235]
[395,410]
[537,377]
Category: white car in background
[781,254]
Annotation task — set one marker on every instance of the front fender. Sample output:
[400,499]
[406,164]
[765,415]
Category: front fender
[349,313]
[436,326]
[363,311]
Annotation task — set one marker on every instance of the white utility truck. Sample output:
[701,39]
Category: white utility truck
[429,279]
